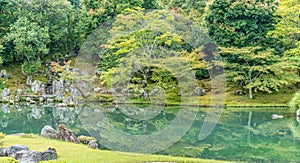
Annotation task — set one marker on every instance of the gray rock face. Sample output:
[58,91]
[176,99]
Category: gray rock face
[36,86]
[57,86]
[198,91]
[12,150]
[111,91]
[93,144]
[19,92]
[5,93]
[48,132]
[3,152]
[4,74]
[29,80]
[26,156]
[59,97]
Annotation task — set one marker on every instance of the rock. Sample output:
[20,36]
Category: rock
[198,91]
[143,93]
[62,105]
[48,132]
[49,100]
[29,80]
[97,89]
[98,73]
[298,113]
[275,116]
[74,92]
[41,99]
[5,92]
[4,74]
[19,92]
[3,152]
[93,144]
[66,134]
[238,92]
[111,91]
[36,86]
[49,154]
[12,150]
[26,156]
[59,97]
[156,92]
[57,86]
[28,99]
[32,102]
[70,100]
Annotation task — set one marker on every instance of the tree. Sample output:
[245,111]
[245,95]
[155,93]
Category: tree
[59,16]
[287,30]
[145,43]
[191,8]
[30,41]
[256,69]
[8,10]
[241,23]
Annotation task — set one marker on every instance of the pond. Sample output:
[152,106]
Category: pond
[246,134]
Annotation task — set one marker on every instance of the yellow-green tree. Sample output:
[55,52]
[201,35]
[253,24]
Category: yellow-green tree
[287,30]
[256,69]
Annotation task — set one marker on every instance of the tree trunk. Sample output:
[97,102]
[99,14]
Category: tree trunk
[250,93]
[249,126]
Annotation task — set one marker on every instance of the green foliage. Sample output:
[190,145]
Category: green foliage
[294,104]
[191,8]
[287,30]
[241,23]
[2,135]
[8,11]
[132,33]
[30,40]
[256,69]
[32,67]
[59,17]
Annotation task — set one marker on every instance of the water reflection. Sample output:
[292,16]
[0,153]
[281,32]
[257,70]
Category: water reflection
[241,135]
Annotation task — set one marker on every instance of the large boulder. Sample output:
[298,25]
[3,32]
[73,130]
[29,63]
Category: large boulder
[12,150]
[3,152]
[29,80]
[49,132]
[5,92]
[93,144]
[66,134]
[4,74]
[59,97]
[26,156]
[198,91]
[36,86]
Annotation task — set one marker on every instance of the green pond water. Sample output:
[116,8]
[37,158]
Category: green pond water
[247,134]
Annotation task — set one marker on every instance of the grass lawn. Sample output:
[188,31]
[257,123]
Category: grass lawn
[79,153]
